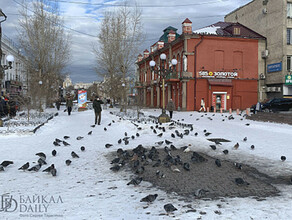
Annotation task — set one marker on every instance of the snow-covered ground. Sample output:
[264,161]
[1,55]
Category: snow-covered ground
[88,189]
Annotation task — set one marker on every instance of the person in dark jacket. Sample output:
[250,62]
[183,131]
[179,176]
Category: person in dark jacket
[97,109]
[69,104]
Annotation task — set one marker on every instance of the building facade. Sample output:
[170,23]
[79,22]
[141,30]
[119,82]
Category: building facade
[272,19]
[14,81]
[220,63]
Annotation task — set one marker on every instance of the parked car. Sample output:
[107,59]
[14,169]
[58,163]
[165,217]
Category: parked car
[277,104]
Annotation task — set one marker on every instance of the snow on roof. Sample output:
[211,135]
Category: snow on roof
[208,30]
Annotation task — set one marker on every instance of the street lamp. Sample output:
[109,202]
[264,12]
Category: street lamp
[163,72]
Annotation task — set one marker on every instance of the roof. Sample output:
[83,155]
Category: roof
[226,29]
[186,21]
[166,31]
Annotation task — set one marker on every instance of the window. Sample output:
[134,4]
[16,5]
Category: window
[289,62]
[236,31]
[289,10]
[289,36]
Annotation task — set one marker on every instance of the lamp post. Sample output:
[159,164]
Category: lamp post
[163,72]
[40,83]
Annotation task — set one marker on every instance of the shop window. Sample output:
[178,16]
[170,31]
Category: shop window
[289,10]
[289,36]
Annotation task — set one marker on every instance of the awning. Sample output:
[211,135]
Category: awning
[220,82]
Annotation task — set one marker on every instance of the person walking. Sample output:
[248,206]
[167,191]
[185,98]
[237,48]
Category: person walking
[170,107]
[202,105]
[97,109]
[69,104]
[58,103]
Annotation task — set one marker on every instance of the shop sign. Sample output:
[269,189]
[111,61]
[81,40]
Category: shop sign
[218,74]
[274,67]
[288,79]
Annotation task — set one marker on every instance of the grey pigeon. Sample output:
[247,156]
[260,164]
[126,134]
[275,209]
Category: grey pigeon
[168,142]
[68,162]
[41,161]
[5,163]
[66,143]
[225,151]
[42,155]
[200,193]
[186,166]
[35,168]
[150,198]
[54,172]
[240,182]
[48,169]
[135,181]
[24,167]
[218,162]
[213,147]
[108,145]
[169,208]
[74,155]
[283,158]
[56,143]
[115,168]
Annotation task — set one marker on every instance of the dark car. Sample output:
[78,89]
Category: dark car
[277,104]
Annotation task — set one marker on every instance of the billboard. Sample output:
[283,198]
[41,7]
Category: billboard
[82,98]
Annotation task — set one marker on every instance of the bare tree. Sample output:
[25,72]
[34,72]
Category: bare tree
[119,40]
[46,47]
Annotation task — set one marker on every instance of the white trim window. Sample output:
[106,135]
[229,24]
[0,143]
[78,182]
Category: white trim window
[289,10]
[289,36]
[289,62]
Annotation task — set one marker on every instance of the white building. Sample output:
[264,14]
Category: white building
[14,81]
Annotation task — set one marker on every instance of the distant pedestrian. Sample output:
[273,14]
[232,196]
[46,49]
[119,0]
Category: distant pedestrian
[97,109]
[170,107]
[258,107]
[69,104]
[58,104]
[202,105]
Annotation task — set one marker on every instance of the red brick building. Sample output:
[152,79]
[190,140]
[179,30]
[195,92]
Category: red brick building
[220,63]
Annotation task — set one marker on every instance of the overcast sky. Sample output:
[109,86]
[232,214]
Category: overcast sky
[82,19]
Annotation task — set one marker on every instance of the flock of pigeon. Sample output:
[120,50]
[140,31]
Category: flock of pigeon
[41,161]
[139,158]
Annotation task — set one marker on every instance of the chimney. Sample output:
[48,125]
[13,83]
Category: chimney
[171,36]
[146,53]
[187,26]
[140,57]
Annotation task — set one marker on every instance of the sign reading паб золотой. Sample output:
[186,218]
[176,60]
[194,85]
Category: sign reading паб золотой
[218,74]
[288,80]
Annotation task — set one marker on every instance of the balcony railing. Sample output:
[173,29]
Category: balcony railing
[172,76]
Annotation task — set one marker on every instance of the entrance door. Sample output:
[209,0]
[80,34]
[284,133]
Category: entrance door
[219,100]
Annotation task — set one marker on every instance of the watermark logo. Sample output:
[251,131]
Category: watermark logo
[8,203]
[30,206]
